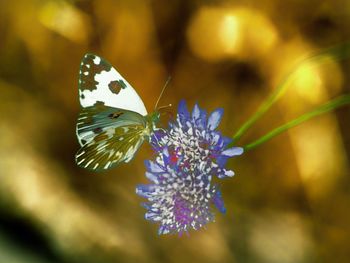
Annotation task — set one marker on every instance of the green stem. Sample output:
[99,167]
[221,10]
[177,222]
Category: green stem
[329,106]
[336,52]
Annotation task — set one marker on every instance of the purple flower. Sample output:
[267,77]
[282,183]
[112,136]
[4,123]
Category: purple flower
[189,154]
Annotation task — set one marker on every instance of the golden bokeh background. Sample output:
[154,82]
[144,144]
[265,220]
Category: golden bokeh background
[289,201]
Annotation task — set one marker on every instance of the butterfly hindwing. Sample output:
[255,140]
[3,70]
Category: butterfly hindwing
[111,147]
[99,81]
[108,136]
[95,119]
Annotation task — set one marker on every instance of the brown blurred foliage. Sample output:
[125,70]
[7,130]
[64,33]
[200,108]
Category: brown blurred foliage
[290,197]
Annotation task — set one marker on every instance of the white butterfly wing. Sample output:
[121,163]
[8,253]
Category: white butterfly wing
[100,82]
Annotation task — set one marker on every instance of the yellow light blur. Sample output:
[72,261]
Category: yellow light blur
[212,244]
[316,81]
[203,34]
[35,187]
[308,84]
[217,33]
[131,34]
[259,33]
[228,33]
[320,154]
[313,82]
[65,19]
[35,184]
[318,147]
[279,237]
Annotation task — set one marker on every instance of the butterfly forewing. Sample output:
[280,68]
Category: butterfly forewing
[99,81]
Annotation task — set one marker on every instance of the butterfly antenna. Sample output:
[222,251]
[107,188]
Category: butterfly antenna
[161,94]
[164,107]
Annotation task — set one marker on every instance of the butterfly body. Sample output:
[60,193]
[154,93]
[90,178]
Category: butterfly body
[113,122]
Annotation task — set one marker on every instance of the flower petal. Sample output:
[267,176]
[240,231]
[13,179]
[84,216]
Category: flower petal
[233,151]
[214,119]
[226,141]
[153,216]
[201,122]
[218,202]
[152,177]
[145,190]
[229,173]
[153,167]
[221,160]
[163,230]
[196,112]
[183,113]
[156,137]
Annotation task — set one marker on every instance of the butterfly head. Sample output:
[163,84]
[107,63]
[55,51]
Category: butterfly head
[155,116]
[153,119]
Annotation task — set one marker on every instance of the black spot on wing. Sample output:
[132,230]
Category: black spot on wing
[115,115]
[99,104]
[102,136]
[116,86]
[97,130]
[88,71]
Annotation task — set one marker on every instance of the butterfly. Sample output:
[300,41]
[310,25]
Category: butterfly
[113,122]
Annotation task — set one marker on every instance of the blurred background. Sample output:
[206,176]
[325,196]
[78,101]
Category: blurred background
[289,201]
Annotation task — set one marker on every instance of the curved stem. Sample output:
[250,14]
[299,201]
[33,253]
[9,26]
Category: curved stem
[337,52]
[327,107]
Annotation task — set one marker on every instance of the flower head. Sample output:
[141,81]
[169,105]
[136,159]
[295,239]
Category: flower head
[189,154]
[193,140]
